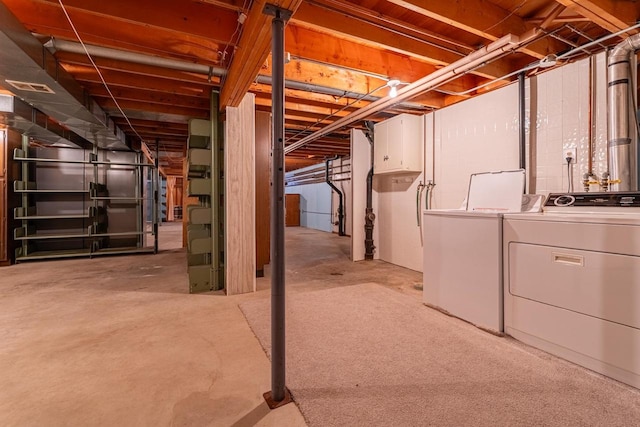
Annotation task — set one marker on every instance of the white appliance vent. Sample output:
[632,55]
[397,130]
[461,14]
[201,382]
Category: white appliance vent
[31,87]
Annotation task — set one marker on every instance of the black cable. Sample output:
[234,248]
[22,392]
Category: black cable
[569,177]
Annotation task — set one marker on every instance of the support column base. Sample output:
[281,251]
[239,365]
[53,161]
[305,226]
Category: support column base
[273,404]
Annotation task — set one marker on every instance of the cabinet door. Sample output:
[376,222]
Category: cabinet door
[395,140]
[380,147]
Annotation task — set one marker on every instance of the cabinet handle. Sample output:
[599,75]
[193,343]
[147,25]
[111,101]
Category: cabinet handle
[385,158]
[569,259]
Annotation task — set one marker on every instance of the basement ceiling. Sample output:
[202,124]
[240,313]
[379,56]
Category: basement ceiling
[342,54]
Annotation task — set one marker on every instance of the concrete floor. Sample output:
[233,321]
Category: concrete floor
[119,341]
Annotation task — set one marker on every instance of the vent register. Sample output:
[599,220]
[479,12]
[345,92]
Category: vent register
[30,87]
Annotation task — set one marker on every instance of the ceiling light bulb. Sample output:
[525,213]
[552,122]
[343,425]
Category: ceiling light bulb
[393,83]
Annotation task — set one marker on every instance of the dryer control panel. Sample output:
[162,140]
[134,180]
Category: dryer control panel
[622,199]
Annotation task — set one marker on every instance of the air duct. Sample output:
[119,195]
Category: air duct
[23,118]
[57,45]
[32,73]
[54,45]
[621,155]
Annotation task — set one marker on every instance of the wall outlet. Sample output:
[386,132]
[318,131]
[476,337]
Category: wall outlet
[570,152]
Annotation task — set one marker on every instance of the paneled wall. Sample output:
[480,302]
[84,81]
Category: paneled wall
[239,151]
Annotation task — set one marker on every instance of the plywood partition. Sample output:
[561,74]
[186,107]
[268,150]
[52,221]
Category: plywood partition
[263,190]
[239,152]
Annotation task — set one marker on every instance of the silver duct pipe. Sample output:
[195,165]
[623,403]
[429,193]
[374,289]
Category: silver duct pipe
[57,45]
[621,154]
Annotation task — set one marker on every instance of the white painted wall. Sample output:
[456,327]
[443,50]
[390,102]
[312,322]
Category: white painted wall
[315,204]
[473,136]
[396,219]
[559,101]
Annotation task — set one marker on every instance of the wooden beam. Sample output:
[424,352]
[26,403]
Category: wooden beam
[328,21]
[611,15]
[252,51]
[491,23]
[309,43]
[70,59]
[46,17]
[108,104]
[236,5]
[118,78]
[152,97]
[196,18]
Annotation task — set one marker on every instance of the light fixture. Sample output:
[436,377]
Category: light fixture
[548,61]
[393,84]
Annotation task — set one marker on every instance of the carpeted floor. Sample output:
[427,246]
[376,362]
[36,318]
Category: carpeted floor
[365,355]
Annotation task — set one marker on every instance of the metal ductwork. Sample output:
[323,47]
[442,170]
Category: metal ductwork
[32,73]
[23,118]
[55,45]
[622,162]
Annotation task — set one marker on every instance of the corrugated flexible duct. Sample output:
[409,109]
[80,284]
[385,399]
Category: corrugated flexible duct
[621,155]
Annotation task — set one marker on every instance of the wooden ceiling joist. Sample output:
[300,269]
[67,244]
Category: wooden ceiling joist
[46,17]
[252,51]
[493,23]
[611,15]
[323,19]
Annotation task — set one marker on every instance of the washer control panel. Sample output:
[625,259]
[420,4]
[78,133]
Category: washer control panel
[620,199]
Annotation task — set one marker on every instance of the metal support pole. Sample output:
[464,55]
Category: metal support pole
[278,394]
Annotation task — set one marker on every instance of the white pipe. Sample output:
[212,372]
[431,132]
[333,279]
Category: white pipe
[138,58]
[451,71]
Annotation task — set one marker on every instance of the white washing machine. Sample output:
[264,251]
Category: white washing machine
[462,270]
[572,280]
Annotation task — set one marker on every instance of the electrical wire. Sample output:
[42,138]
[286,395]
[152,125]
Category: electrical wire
[337,111]
[224,51]
[75,31]
[569,175]
[506,17]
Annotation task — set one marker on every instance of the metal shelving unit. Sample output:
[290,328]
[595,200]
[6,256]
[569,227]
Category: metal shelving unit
[77,203]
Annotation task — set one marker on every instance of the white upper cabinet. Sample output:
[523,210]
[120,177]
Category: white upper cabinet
[398,144]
